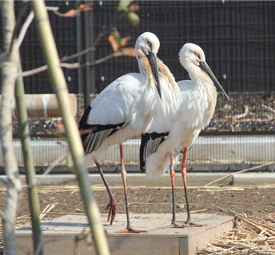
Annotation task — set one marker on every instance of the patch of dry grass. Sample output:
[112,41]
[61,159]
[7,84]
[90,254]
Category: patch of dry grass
[251,235]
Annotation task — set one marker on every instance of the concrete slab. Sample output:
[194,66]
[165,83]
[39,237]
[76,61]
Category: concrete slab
[59,234]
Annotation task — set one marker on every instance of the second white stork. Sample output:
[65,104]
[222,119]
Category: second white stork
[171,134]
[125,109]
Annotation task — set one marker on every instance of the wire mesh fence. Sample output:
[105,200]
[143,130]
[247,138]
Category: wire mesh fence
[208,154]
[238,38]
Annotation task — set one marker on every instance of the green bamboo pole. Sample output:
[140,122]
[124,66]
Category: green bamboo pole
[60,88]
[29,165]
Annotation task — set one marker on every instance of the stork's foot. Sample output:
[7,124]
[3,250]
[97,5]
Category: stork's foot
[130,230]
[112,211]
[175,225]
[189,224]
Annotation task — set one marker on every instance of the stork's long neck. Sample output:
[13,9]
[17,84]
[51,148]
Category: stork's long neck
[206,85]
[202,79]
[171,96]
[149,95]
[169,79]
[144,67]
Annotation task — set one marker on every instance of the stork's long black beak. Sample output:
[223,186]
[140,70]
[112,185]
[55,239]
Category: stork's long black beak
[155,69]
[203,65]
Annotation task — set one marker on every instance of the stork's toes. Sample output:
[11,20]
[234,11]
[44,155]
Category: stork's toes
[186,224]
[112,211]
[175,225]
[130,230]
[191,224]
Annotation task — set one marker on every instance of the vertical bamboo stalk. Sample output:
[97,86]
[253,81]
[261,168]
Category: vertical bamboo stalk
[28,161]
[60,88]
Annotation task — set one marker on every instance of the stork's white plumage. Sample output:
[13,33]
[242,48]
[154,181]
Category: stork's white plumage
[126,107]
[171,134]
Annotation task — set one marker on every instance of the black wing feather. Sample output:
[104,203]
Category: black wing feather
[149,144]
[96,133]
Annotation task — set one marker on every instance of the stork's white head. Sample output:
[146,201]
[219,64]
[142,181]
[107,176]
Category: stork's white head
[191,54]
[147,42]
[192,59]
[147,46]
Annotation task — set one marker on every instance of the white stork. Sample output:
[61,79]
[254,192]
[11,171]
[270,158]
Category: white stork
[171,134]
[125,109]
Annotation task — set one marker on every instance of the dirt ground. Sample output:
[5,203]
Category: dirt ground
[62,200]
[67,200]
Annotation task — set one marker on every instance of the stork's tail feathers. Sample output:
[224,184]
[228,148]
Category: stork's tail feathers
[155,167]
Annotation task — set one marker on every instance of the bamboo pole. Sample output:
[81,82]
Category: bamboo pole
[28,161]
[60,88]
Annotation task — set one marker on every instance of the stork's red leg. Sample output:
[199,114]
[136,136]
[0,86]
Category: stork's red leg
[123,176]
[112,204]
[172,175]
[183,172]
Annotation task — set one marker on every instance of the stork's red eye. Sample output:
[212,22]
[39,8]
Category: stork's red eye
[150,44]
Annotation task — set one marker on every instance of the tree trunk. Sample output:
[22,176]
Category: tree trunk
[9,75]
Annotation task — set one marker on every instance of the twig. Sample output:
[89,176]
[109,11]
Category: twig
[17,25]
[92,48]
[197,211]
[47,209]
[50,168]
[24,30]
[259,226]
[67,65]
[50,182]
[268,108]
[99,61]
[242,171]
[246,111]
[33,71]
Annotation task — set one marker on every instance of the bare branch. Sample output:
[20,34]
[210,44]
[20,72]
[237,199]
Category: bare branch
[24,30]
[71,65]
[71,13]
[55,11]
[68,65]
[102,33]
[33,71]
[99,61]
[18,24]
[51,167]
[51,182]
